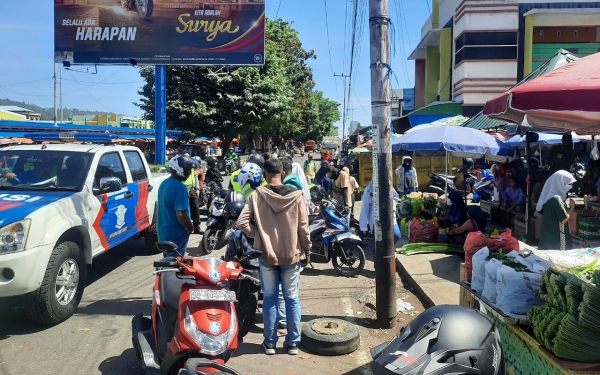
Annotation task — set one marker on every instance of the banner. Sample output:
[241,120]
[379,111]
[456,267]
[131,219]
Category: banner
[409,100]
[160,32]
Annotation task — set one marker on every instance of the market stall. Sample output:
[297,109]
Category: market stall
[546,304]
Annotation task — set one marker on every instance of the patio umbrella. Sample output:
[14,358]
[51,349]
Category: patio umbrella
[449,121]
[544,139]
[564,99]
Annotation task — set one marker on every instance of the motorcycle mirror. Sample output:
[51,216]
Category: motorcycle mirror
[166,246]
[454,169]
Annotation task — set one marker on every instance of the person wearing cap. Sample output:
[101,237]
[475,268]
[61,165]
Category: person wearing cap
[310,169]
[562,156]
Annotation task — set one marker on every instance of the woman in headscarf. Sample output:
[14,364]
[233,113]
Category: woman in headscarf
[464,219]
[297,170]
[342,187]
[458,211]
[556,234]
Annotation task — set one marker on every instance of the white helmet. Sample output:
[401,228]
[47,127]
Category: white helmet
[250,174]
[182,165]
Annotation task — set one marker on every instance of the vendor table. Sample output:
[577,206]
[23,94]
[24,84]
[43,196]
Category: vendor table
[523,353]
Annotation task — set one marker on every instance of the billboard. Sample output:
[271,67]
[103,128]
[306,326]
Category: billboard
[409,100]
[160,32]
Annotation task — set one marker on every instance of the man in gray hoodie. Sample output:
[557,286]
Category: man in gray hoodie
[276,217]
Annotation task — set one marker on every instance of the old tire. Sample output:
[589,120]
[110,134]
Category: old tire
[151,238]
[62,286]
[356,261]
[247,305]
[326,336]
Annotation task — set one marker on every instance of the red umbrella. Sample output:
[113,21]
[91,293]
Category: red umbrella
[565,99]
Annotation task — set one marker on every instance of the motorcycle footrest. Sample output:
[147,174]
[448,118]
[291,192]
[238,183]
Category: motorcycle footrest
[143,342]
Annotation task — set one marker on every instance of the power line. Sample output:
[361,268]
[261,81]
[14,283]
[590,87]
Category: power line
[84,89]
[328,43]
[24,83]
[278,7]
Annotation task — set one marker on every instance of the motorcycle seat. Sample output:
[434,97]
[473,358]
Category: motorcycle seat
[450,177]
[170,290]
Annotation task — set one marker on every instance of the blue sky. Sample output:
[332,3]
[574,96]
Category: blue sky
[26,66]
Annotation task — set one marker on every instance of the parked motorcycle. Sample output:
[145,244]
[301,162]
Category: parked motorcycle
[230,166]
[437,183]
[333,241]
[483,189]
[193,315]
[247,290]
[144,8]
[223,214]
[192,365]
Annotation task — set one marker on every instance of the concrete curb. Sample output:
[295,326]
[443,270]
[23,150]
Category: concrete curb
[405,275]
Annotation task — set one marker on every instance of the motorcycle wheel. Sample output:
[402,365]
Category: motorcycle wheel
[145,7]
[246,308]
[210,240]
[227,170]
[345,259]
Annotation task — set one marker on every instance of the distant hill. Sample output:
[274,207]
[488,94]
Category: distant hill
[48,113]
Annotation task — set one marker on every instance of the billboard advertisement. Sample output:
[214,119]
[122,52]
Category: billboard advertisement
[409,100]
[160,32]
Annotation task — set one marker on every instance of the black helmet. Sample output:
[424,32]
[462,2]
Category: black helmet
[234,196]
[317,193]
[182,166]
[257,159]
[232,210]
[442,340]
[211,161]
[469,163]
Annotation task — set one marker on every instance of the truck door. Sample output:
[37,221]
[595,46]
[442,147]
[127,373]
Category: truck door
[140,187]
[116,218]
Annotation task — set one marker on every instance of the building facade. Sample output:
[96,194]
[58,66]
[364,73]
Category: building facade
[473,50]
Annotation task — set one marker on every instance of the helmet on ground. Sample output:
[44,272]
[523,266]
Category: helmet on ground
[182,166]
[232,210]
[234,196]
[212,161]
[250,174]
[257,159]
[442,340]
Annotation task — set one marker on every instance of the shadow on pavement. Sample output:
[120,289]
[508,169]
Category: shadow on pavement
[126,363]
[118,306]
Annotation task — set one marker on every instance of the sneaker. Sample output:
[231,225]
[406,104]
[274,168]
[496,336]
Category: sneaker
[270,350]
[292,349]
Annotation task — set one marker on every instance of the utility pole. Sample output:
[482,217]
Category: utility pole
[55,108]
[385,254]
[61,96]
[344,115]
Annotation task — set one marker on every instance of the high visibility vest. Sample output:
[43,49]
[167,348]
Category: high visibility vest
[192,181]
[234,181]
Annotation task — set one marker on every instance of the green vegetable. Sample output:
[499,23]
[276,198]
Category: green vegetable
[586,273]
[423,248]
[430,204]
[416,207]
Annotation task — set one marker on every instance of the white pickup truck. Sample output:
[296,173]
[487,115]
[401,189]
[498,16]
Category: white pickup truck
[61,205]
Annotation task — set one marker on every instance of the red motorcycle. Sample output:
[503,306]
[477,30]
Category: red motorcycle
[194,321]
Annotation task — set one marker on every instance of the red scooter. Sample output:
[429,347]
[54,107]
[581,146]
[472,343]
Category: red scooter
[194,322]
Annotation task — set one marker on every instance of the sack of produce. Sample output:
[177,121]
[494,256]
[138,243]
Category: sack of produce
[479,262]
[517,288]
[489,285]
[477,240]
[424,231]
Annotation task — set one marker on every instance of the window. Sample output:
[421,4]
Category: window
[558,33]
[576,33]
[541,32]
[136,166]
[110,165]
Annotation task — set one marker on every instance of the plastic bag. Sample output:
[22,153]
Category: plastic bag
[427,232]
[479,262]
[476,241]
[571,258]
[516,292]
[489,286]
[405,207]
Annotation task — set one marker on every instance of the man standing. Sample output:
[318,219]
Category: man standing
[174,223]
[310,169]
[562,156]
[277,219]
[193,187]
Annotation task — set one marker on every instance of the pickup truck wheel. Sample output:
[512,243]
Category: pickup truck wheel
[62,287]
[151,238]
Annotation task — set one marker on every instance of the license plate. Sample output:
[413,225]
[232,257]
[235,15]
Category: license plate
[212,295]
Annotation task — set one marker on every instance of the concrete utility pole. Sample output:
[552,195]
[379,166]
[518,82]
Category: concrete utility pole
[344,115]
[55,109]
[385,254]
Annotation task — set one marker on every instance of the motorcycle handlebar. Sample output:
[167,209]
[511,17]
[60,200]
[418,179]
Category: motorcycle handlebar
[162,263]
[254,280]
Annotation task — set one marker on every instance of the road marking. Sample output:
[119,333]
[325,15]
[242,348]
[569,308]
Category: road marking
[362,358]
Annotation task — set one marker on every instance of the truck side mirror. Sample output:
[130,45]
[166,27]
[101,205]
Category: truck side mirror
[108,185]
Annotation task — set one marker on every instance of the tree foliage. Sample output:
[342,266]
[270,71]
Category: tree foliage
[275,99]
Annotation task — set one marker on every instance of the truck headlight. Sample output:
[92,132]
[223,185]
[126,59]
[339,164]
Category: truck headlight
[209,344]
[13,237]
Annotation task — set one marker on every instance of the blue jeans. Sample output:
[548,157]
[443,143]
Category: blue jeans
[181,247]
[289,279]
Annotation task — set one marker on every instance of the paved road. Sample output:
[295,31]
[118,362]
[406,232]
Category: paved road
[97,339]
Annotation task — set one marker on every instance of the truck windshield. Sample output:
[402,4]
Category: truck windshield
[330,146]
[43,169]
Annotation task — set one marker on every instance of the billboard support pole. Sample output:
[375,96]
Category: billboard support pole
[160,114]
